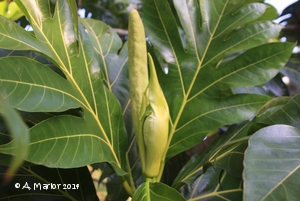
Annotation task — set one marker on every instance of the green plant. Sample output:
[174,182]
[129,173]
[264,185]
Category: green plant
[68,79]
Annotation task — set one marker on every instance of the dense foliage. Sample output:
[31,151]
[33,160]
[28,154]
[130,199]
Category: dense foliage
[65,103]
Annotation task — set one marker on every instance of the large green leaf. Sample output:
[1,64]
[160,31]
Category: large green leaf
[112,62]
[196,80]
[35,89]
[64,140]
[227,151]
[272,167]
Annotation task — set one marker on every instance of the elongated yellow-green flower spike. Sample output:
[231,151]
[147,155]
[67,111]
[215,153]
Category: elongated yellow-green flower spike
[138,73]
[154,118]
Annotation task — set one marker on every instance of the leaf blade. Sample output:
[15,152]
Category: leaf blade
[156,191]
[209,32]
[36,89]
[70,48]
[266,174]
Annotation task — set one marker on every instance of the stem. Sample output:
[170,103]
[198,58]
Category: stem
[127,187]
[148,180]
[132,185]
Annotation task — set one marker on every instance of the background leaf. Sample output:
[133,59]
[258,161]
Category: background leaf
[215,184]
[19,137]
[156,191]
[272,164]
[222,149]
[287,114]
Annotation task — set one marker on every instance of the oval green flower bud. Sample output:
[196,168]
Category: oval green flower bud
[155,124]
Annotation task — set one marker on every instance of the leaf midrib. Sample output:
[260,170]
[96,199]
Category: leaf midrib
[234,72]
[69,75]
[217,110]
[185,98]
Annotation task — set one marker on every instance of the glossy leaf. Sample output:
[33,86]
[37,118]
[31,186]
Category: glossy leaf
[220,112]
[209,46]
[250,90]
[64,140]
[215,185]
[287,114]
[156,191]
[112,62]
[274,103]
[215,152]
[212,30]
[227,151]
[35,89]
[274,87]
[272,164]
[270,14]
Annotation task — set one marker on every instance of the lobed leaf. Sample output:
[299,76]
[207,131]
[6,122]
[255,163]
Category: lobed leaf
[197,77]
[64,141]
[113,61]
